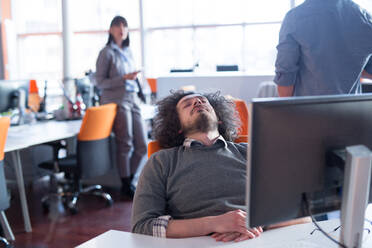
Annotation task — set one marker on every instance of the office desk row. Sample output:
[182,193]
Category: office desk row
[302,235]
[24,136]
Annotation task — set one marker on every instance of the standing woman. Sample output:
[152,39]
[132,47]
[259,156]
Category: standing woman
[116,78]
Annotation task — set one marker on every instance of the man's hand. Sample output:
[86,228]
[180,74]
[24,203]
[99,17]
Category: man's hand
[236,236]
[226,227]
[233,221]
[285,91]
[232,226]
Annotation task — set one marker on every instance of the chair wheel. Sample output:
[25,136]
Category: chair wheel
[109,203]
[45,206]
[73,210]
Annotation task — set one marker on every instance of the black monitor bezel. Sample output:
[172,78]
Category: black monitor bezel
[280,102]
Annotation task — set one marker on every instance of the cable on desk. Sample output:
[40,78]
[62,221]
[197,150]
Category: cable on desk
[307,207]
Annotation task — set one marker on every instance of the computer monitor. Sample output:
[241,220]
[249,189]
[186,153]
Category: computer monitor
[293,142]
[366,87]
[227,68]
[85,88]
[9,93]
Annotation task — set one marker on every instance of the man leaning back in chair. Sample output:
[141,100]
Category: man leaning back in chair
[183,190]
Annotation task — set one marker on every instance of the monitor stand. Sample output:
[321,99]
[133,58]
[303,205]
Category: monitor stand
[355,194]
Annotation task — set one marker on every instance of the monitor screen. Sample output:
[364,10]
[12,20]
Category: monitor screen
[8,93]
[290,141]
[366,87]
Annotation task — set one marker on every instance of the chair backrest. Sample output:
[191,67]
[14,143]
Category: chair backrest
[93,148]
[152,84]
[4,199]
[97,122]
[4,126]
[152,147]
[242,109]
[267,89]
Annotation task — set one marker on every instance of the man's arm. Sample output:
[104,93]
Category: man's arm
[287,59]
[149,201]
[285,91]
[233,221]
[365,74]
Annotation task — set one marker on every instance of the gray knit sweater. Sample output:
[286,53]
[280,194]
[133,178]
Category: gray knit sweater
[189,182]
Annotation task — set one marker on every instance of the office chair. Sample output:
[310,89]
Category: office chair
[267,89]
[92,158]
[152,147]
[152,82]
[242,109]
[240,105]
[4,196]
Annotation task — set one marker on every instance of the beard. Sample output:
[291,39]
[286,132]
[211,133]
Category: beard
[203,123]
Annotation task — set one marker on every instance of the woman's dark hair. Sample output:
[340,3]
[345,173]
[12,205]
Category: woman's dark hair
[116,22]
[167,123]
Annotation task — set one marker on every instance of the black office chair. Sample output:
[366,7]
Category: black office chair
[92,159]
[4,196]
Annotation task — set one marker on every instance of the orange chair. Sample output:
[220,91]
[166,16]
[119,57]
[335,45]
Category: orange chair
[4,197]
[242,109]
[152,147]
[33,97]
[152,84]
[92,158]
[4,126]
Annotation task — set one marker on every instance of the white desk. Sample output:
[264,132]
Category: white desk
[291,236]
[20,137]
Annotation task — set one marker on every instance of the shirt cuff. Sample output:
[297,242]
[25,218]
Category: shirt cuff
[159,228]
[285,78]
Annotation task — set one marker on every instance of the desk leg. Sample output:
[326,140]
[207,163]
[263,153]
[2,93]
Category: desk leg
[21,188]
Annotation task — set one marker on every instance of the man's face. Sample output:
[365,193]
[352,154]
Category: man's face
[196,114]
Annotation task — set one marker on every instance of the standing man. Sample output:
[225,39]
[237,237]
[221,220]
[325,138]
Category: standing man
[325,46]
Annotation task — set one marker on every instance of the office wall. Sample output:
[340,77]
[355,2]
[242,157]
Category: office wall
[235,84]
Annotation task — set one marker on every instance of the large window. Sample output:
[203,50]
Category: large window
[367,4]
[211,33]
[39,34]
[178,34]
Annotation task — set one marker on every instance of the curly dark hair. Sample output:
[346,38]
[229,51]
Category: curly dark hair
[167,123]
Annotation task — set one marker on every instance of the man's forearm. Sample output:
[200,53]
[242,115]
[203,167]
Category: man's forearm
[232,221]
[285,91]
[189,228]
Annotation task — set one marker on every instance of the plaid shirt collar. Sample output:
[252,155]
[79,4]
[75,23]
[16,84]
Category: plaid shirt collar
[188,142]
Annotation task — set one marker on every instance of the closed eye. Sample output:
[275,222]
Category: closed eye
[187,105]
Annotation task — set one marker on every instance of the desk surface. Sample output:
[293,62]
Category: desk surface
[291,236]
[20,137]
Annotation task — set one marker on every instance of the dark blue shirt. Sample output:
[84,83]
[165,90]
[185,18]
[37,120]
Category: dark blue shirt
[324,45]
